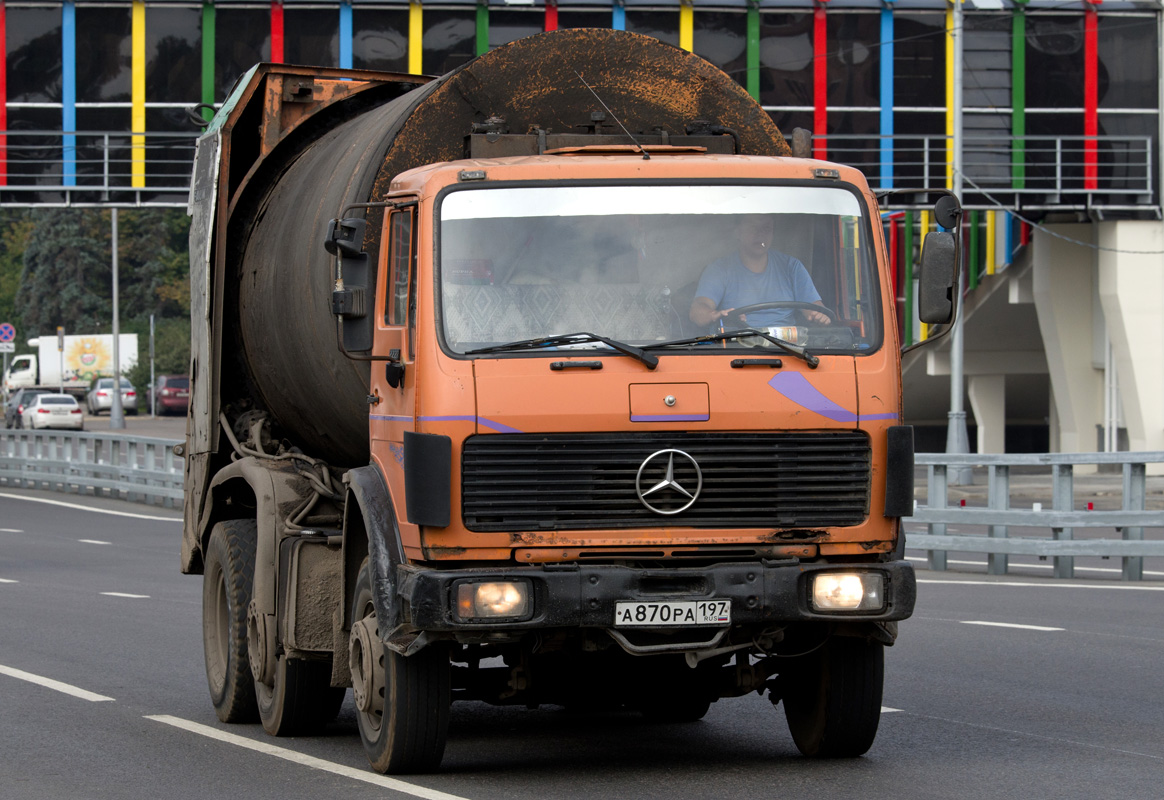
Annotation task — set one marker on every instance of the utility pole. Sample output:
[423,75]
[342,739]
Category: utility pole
[116,412]
[957,440]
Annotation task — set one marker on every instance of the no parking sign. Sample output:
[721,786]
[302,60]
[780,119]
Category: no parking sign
[7,338]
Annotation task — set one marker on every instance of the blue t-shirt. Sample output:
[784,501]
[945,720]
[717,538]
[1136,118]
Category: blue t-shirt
[729,284]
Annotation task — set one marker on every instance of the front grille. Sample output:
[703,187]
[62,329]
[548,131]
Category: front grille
[529,482]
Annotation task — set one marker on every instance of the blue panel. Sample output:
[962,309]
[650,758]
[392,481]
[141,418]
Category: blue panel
[886,97]
[618,17]
[345,35]
[69,92]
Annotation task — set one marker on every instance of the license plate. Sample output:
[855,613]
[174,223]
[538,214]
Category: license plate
[673,612]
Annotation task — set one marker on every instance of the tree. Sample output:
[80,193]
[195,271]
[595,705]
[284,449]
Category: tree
[66,275]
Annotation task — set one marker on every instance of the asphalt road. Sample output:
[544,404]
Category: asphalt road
[1069,706]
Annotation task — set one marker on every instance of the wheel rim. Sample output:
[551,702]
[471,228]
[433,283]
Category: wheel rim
[368,668]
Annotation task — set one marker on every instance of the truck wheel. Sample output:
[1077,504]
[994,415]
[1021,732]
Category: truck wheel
[402,704]
[832,698]
[301,700]
[226,593]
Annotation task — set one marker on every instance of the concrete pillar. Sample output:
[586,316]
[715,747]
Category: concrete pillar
[1062,282]
[1131,291]
[988,402]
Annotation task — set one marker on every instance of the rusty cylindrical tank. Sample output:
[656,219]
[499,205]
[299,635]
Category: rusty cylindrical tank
[287,359]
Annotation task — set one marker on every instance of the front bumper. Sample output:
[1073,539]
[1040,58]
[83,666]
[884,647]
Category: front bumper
[584,596]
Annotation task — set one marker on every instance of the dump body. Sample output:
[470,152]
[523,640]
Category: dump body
[453,384]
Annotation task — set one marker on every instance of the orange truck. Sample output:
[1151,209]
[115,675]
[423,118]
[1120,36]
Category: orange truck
[484,408]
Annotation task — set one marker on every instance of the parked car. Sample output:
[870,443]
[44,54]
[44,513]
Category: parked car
[100,396]
[15,405]
[170,393]
[53,411]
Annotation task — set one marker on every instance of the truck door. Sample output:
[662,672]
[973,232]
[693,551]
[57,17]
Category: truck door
[392,398]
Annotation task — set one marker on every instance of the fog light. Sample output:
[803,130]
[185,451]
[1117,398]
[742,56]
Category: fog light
[497,600]
[848,591]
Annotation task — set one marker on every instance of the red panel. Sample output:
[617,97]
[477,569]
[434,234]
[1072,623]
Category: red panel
[1090,96]
[819,83]
[3,98]
[276,32]
[551,16]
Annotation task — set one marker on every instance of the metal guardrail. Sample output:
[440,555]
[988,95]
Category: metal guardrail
[137,469]
[1129,521]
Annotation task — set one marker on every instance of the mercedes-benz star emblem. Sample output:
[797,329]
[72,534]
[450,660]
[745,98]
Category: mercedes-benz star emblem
[668,484]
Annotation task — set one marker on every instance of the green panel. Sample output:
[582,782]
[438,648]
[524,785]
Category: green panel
[207,58]
[753,51]
[482,28]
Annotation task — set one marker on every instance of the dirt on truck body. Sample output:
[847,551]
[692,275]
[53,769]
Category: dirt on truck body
[465,426]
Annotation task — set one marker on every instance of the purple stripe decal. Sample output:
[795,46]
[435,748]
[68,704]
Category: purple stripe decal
[670,418]
[796,388]
[482,421]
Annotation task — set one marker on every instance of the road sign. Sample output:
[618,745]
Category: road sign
[7,332]
[7,347]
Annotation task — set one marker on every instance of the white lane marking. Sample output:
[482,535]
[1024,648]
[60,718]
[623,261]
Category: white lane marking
[11,530]
[305,760]
[92,541]
[88,508]
[888,710]
[57,686]
[1009,625]
[123,594]
[1110,570]
[1049,585]
[7,580]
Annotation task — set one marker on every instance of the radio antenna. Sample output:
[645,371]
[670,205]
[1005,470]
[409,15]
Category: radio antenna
[646,155]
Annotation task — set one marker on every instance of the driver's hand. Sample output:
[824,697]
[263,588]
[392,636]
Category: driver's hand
[720,313]
[816,316]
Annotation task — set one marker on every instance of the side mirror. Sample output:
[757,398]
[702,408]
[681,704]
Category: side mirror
[350,299]
[936,276]
[345,236]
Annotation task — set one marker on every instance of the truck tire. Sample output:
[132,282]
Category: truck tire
[832,698]
[301,700]
[226,593]
[405,723]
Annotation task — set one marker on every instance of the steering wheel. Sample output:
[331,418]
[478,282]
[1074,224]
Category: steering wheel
[832,315]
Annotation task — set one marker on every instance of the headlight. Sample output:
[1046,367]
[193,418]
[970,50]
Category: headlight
[494,600]
[848,591]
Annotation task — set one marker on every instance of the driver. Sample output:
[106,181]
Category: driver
[754,274]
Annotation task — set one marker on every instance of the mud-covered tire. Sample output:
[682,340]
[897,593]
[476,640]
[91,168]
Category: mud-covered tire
[301,700]
[226,592]
[832,698]
[407,730]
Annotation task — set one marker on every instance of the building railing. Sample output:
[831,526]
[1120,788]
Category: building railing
[54,168]
[1113,172]
[1061,520]
[137,469]
[1032,172]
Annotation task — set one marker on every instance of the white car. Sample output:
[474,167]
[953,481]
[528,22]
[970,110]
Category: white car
[53,411]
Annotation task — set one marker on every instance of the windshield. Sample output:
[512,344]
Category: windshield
[651,264]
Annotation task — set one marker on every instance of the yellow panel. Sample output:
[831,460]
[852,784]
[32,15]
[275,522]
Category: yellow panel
[137,95]
[415,38]
[687,25]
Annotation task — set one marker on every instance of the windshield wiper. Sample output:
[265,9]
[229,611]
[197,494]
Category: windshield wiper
[647,359]
[788,347]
